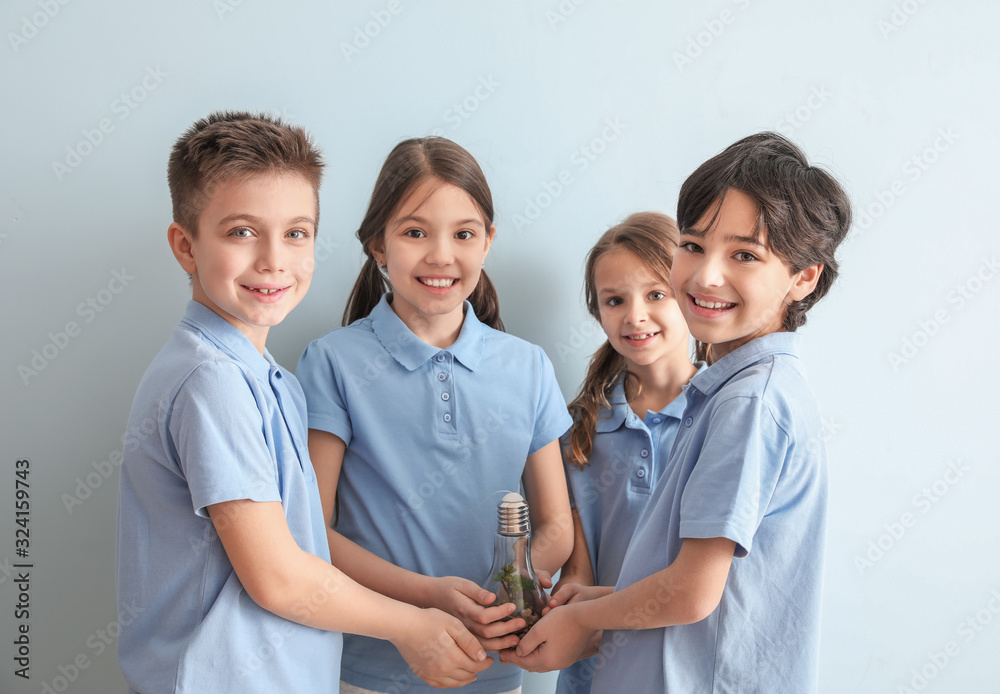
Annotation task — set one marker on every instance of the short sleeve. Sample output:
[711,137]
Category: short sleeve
[217,429]
[318,376]
[735,476]
[552,417]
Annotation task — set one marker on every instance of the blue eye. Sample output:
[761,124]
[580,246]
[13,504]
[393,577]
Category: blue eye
[298,234]
[241,232]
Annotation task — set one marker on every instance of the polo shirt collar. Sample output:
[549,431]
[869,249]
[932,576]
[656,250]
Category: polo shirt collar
[757,350]
[620,409]
[412,352]
[224,335]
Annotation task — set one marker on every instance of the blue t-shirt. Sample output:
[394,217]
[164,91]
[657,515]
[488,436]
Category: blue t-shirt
[213,420]
[432,434]
[611,492]
[748,464]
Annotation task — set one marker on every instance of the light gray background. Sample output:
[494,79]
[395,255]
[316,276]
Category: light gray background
[897,98]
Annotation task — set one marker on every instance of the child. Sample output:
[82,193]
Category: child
[629,407]
[721,582]
[421,409]
[217,451]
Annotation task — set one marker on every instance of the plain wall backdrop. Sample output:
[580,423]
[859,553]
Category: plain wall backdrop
[580,112]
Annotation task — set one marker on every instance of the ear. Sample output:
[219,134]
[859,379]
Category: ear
[804,282]
[377,249]
[181,243]
[489,238]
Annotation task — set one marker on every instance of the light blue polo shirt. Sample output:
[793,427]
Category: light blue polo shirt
[432,435]
[213,420]
[748,464]
[612,490]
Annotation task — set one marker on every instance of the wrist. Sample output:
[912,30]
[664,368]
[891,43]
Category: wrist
[403,623]
[426,591]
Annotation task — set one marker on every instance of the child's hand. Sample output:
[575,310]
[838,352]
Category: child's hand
[441,651]
[555,642]
[568,593]
[470,603]
[544,578]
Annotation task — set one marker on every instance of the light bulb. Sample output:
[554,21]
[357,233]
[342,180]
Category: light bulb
[511,577]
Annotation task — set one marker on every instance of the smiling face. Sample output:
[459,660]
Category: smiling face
[639,313]
[252,259]
[433,250]
[731,287]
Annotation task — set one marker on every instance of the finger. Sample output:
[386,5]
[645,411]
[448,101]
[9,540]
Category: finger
[489,615]
[466,641]
[529,642]
[530,663]
[544,578]
[500,643]
[475,593]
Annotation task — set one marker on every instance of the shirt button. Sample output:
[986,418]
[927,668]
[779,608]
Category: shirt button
[656,420]
[442,377]
[641,473]
[445,396]
[447,418]
[688,421]
[440,357]
[644,453]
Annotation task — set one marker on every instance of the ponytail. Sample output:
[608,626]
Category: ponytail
[486,303]
[366,294]
[606,367]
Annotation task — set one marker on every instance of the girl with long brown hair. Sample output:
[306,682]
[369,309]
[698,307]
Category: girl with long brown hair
[630,404]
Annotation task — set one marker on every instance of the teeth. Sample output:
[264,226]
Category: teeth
[641,337]
[712,304]
[438,283]
[267,291]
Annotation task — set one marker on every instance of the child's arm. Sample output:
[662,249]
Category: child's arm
[578,568]
[456,596]
[551,521]
[299,586]
[685,592]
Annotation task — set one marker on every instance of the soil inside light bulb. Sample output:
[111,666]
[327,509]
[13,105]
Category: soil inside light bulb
[526,595]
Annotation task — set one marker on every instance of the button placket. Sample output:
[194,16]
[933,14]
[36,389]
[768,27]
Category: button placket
[443,376]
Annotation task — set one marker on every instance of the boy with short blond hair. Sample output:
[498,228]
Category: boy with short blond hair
[223,556]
